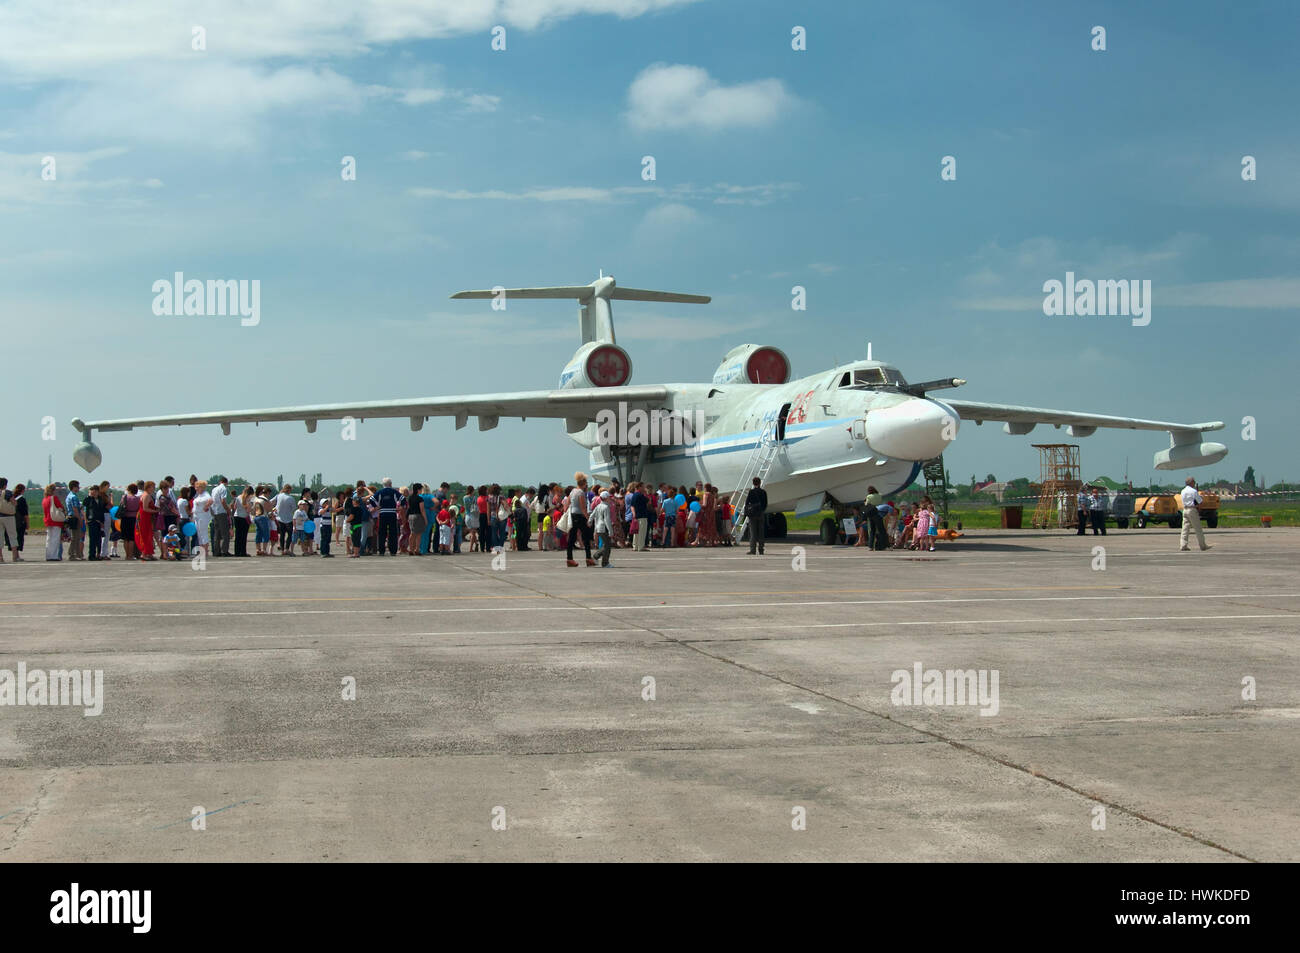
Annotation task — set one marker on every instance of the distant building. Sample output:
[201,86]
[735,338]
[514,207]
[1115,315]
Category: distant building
[995,489]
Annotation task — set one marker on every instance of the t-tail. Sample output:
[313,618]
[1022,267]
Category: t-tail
[599,361]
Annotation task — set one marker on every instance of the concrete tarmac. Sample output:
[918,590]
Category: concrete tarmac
[504,714]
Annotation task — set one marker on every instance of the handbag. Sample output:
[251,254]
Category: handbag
[57,513]
[566,522]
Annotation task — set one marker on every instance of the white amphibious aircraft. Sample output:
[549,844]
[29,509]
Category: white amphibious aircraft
[816,441]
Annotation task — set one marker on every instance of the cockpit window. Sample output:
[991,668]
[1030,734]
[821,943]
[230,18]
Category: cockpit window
[870,378]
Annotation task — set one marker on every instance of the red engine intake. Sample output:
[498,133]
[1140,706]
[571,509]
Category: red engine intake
[767,365]
[753,364]
[597,364]
[608,366]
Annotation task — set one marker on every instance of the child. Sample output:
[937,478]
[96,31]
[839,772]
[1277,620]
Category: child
[353,529]
[457,528]
[561,539]
[171,544]
[921,531]
[262,522]
[933,530]
[547,537]
[600,523]
[444,531]
[299,523]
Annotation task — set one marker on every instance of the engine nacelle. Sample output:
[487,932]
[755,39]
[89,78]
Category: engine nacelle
[597,364]
[753,364]
[1190,455]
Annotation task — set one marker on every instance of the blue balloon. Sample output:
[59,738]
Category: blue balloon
[695,506]
[190,529]
[679,500]
[309,526]
[112,514]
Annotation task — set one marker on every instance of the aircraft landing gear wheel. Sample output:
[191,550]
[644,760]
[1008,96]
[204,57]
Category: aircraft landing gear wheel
[829,531]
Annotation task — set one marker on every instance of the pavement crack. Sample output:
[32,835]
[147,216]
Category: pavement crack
[41,793]
[954,743]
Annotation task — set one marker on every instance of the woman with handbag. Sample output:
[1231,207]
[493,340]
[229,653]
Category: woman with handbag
[54,517]
[576,515]
[497,512]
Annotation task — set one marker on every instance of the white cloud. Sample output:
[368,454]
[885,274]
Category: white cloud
[1238,293]
[1005,274]
[20,176]
[42,40]
[550,194]
[721,193]
[665,96]
[671,215]
[425,95]
[129,69]
[413,155]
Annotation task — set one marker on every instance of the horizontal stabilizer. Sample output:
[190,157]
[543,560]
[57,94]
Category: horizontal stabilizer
[637,294]
[562,291]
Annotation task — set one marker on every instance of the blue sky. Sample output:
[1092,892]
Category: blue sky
[774,168]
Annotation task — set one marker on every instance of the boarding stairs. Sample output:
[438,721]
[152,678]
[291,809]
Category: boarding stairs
[759,462]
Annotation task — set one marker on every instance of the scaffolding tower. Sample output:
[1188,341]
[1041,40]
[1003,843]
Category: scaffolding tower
[1060,477]
[936,486]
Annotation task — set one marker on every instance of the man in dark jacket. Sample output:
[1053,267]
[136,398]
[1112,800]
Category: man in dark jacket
[388,500]
[96,517]
[756,513]
[523,526]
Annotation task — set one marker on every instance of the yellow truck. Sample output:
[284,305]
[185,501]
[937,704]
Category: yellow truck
[1168,508]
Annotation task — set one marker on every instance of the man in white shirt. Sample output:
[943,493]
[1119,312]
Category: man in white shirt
[1191,516]
[221,520]
[285,506]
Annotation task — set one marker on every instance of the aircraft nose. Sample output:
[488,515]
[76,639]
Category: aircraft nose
[917,429]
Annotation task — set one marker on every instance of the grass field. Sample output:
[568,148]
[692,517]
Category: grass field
[1235,515]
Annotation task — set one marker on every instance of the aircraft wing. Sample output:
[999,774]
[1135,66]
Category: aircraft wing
[1185,446]
[577,403]
[972,410]
[578,406]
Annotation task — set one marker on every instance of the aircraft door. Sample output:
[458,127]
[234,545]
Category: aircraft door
[780,422]
[859,429]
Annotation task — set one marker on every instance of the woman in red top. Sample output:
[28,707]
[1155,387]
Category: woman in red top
[145,522]
[484,524]
[127,510]
[53,525]
[706,520]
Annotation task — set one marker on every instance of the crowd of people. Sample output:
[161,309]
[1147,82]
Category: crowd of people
[884,524]
[157,520]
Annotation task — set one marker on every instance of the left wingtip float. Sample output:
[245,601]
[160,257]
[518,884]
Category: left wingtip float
[86,455]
